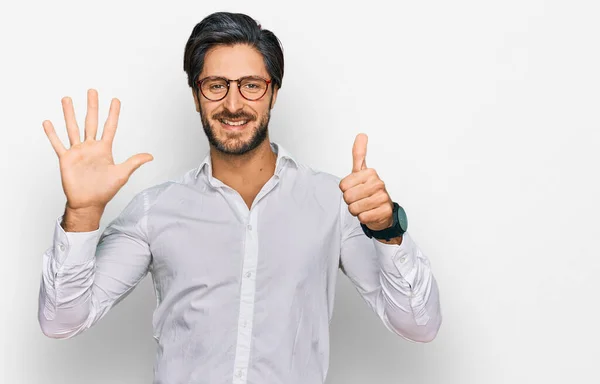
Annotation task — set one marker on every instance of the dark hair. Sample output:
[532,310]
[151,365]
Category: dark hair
[224,28]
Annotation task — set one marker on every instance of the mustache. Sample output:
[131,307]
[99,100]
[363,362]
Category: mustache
[226,115]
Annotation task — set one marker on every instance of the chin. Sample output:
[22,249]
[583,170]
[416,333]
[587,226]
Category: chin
[236,143]
[236,140]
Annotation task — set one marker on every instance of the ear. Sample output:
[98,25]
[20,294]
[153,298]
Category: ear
[274,98]
[196,101]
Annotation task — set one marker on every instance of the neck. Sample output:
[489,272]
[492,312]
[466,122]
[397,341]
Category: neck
[248,171]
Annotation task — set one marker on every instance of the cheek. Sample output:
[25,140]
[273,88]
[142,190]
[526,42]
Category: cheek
[207,111]
[263,111]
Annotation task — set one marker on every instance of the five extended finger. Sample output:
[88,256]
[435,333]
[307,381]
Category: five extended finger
[110,127]
[71,123]
[134,162]
[58,146]
[91,118]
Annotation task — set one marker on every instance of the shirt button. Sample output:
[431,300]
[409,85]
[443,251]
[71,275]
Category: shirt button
[61,247]
[249,227]
[239,373]
[245,324]
[248,274]
[403,259]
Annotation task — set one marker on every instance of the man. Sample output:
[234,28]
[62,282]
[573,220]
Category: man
[244,249]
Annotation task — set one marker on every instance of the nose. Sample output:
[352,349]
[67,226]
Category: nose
[234,100]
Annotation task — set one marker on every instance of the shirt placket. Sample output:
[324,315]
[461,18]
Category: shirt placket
[248,284]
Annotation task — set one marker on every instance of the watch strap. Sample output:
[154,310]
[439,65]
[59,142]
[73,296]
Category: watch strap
[388,233]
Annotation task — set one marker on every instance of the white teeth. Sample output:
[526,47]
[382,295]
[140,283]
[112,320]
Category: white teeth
[235,123]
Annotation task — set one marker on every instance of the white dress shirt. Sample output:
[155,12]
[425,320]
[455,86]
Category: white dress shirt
[243,295]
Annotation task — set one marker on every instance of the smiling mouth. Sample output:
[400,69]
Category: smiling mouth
[233,123]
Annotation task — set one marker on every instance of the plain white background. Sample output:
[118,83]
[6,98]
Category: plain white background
[482,120]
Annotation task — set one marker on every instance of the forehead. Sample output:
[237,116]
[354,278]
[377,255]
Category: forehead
[234,62]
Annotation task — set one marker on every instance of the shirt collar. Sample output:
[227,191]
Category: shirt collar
[281,152]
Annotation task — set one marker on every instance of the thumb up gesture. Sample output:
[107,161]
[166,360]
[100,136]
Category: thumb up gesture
[365,192]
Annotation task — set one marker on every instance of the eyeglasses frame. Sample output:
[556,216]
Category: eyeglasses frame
[239,85]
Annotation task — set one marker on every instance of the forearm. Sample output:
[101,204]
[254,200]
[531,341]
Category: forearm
[65,298]
[394,277]
[412,311]
[86,273]
[409,296]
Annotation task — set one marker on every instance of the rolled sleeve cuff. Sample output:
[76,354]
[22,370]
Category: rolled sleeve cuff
[398,260]
[74,248]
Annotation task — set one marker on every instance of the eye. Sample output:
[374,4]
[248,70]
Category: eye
[215,87]
[253,85]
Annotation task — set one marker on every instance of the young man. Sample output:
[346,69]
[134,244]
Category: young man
[244,249]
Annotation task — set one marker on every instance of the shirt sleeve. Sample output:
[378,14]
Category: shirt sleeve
[396,281]
[84,274]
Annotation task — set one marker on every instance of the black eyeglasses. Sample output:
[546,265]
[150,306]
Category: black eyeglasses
[251,88]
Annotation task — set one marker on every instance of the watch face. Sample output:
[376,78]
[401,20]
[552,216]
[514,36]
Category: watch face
[402,219]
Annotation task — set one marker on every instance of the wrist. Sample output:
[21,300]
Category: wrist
[393,240]
[82,219]
[392,234]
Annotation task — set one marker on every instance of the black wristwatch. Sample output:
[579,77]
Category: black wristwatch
[399,226]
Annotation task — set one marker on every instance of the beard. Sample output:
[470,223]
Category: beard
[259,134]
